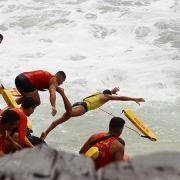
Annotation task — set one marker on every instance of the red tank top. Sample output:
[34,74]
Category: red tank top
[39,79]
[22,126]
[104,157]
[2,141]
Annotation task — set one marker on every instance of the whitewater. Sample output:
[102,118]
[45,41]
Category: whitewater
[99,44]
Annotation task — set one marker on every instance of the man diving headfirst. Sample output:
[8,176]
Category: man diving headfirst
[89,103]
[28,84]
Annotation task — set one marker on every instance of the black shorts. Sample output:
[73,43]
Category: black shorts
[82,103]
[23,84]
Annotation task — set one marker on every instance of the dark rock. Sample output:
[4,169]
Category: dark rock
[157,166]
[43,162]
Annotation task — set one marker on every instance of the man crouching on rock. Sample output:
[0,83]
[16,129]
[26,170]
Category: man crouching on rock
[8,121]
[110,149]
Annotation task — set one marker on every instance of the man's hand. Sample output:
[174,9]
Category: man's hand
[17,146]
[138,100]
[54,111]
[115,90]
[60,90]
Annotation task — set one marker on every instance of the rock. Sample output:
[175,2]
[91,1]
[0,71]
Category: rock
[157,166]
[43,162]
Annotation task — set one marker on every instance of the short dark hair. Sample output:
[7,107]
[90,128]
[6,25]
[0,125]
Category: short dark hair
[1,36]
[61,73]
[121,141]
[116,123]
[9,116]
[107,91]
[28,102]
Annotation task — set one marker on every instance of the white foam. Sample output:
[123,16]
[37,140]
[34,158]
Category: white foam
[99,44]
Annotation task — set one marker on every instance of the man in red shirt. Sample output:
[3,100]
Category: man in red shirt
[8,121]
[111,149]
[28,84]
[27,108]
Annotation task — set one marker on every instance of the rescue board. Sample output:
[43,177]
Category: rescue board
[15,92]
[12,103]
[8,97]
[137,122]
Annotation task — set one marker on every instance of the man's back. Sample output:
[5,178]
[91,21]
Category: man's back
[110,150]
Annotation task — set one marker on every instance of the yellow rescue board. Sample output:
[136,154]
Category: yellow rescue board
[93,152]
[137,122]
[15,92]
[7,97]
[12,103]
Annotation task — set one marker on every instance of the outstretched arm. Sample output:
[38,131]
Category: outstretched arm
[52,92]
[124,98]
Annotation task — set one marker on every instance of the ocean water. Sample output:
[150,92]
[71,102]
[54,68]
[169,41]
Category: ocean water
[99,44]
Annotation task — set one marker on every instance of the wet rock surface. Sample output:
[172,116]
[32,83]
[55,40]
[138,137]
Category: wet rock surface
[43,162]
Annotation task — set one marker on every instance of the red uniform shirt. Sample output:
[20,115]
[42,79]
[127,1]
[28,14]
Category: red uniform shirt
[104,157]
[39,79]
[2,138]
[22,127]
[2,141]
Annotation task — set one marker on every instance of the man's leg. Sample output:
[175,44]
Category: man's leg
[62,119]
[72,111]
[67,104]
[76,111]
[19,100]
[25,87]
[33,94]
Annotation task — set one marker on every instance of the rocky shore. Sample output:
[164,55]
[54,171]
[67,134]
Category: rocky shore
[45,163]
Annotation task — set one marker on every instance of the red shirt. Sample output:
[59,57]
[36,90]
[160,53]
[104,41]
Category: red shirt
[39,79]
[2,141]
[104,157]
[22,127]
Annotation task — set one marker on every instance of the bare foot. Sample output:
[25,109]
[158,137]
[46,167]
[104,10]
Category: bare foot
[43,136]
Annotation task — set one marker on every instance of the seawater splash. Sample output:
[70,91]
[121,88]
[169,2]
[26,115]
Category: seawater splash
[99,44]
